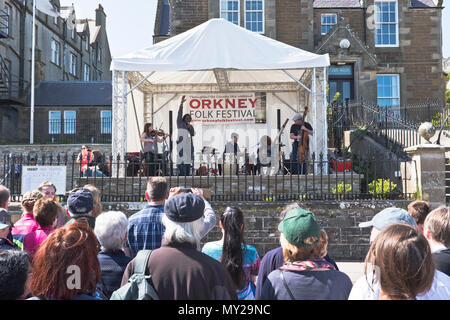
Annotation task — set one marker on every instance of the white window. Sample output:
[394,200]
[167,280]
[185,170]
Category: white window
[73,32]
[86,44]
[99,55]
[55,20]
[105,119]
[55,47]
[328,20]
[8,21]
[388,91]
[86,72]
[73,64]
[70,122]
[54,122]
[386,23]
[229,10]
[254,15]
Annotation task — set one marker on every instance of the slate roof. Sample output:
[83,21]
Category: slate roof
[72,93]
[423,4]
[337,4]
[164,23]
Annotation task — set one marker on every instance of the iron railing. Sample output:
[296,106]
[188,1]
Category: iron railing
[326,178]
[76,131]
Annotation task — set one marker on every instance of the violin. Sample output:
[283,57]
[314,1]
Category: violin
[159,133]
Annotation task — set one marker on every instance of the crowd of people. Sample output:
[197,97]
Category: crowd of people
[84,253]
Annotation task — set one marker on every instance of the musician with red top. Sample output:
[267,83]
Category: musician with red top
[84,157]
[298,129]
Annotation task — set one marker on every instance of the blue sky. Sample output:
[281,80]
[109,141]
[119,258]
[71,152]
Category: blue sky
[130,23]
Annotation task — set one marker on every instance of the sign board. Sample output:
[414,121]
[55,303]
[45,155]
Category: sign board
[33,176]
[222,108]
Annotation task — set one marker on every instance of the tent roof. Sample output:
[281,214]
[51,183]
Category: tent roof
[218,44]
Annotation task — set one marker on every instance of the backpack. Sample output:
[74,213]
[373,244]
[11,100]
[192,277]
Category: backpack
[139,286]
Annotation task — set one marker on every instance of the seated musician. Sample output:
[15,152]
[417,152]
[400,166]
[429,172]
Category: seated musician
[296,133]
[264,154]
[231,147]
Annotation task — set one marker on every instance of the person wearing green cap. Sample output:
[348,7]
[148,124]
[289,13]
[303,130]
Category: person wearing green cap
[305,275]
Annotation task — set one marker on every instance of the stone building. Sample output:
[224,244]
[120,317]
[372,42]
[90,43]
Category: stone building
[388,51]
[67,49]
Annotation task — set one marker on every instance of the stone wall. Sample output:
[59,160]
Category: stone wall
[340,219]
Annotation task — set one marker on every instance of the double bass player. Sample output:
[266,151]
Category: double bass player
[298,129]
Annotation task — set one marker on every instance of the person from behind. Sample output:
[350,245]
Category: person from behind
[4,198]
[305,275]
[368,286]
[80,205]
[111,231]
[437,232]
[274,259]
[27,223]
[401,259]
[241,260]
[15,271]
[45,212]
[179,271]
[6,239]
[97,199]
[66,266]
[145,228]
[419,210]
[48,190]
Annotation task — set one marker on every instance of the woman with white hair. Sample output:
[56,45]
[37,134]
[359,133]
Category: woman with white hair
[111,231]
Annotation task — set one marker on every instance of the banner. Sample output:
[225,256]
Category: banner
[222,108]
[33,176]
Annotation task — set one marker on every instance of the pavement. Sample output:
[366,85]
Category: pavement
[354,270]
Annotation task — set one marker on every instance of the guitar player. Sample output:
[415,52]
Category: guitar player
[296,134]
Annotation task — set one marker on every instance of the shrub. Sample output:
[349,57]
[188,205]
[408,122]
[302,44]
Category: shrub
[382,187]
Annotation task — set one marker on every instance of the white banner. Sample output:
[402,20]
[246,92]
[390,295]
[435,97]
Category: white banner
[33,176]
[222,108]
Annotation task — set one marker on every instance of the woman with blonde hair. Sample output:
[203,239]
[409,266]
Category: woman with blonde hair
[97,199]
[305,275]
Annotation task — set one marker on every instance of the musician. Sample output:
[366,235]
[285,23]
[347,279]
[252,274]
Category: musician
[150,139]
[231,147]
[296,133]
[185,129]
[264,154]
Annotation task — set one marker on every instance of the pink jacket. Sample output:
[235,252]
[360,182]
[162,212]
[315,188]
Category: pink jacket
[25,225]
[33,240]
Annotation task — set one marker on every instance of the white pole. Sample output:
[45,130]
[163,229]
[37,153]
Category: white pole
[32,74]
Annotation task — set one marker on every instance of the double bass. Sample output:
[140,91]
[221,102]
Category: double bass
[303,149]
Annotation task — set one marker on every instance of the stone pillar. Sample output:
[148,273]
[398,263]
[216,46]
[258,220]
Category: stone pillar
[426,172]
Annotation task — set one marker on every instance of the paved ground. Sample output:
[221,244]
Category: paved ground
[354,270]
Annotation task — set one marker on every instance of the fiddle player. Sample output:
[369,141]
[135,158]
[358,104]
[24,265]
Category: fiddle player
[296,133]
[185,130]
[150,139]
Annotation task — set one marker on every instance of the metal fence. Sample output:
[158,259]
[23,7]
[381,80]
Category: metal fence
[76,131]
[322,178]
[395,128]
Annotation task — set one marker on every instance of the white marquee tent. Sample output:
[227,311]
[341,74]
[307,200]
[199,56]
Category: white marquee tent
[217,57]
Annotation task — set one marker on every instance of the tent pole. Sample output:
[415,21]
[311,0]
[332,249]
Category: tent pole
[140,82]
[296,80]
[136,117]
[314,106]
[325,122]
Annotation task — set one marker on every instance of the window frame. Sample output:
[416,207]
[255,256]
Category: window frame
[109,130]
[72,64]
[8,11]
[256,11]
[72,128]
[56,51]
[397,76]
[54,125]
[376,23]
[230,11]
[87,68]
[322,24]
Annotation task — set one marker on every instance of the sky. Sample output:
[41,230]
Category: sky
[130,23]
